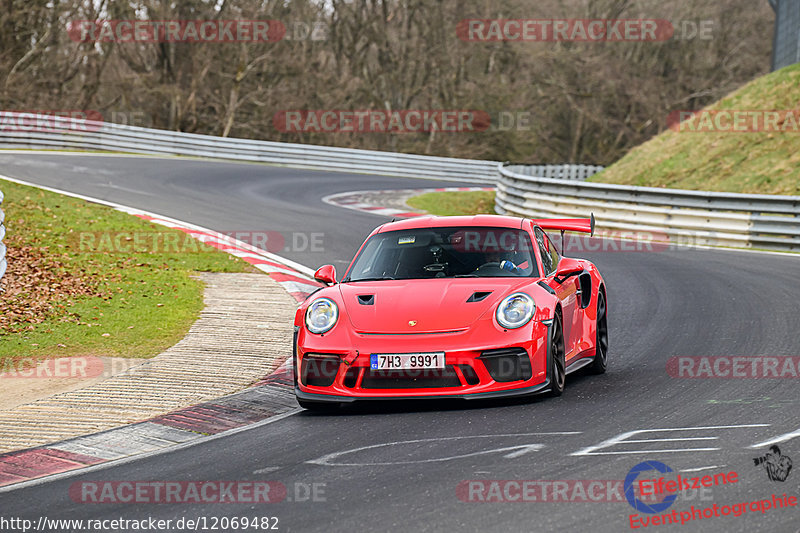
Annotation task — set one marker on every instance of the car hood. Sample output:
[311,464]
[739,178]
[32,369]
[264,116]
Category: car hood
[422,305]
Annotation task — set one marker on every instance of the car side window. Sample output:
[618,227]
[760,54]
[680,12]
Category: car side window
[545,251]
[554,257]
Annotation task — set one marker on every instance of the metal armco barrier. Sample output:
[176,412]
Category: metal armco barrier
[681,217]
[43,132]
[21,130]
[560,172]
[676,216]
[3,262]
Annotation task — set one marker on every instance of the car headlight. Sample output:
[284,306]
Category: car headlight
[321,315]
[515,310]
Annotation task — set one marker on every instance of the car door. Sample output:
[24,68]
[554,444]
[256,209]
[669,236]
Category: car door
[566,291]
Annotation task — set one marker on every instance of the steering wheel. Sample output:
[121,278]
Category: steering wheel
[487,266]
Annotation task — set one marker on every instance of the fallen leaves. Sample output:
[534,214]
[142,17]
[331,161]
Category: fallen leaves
[39,285]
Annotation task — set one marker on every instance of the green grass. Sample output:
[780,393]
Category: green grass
[454,203]
[142,302]
[761,162]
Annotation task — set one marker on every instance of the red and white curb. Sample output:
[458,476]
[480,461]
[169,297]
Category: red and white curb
[356,200]
[296,279]
[268,399]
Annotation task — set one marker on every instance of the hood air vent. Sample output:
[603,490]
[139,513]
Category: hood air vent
[478,296]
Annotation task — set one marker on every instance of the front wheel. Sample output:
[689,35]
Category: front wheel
[558,364]
[600,361]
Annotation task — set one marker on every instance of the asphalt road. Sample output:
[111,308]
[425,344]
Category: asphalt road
[399,467]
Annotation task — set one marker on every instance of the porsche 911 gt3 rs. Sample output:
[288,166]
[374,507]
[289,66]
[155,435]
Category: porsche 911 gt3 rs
[470,307]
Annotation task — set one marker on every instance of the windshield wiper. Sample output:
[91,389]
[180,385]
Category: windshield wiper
[372,279]
[465,276]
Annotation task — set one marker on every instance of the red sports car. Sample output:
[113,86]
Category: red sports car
[469,306]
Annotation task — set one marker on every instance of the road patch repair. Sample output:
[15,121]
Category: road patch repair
[243,334]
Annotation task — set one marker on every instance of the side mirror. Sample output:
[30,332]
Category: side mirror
[326,274]
[567,267]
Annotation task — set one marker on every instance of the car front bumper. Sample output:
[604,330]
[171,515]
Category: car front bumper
[480,362]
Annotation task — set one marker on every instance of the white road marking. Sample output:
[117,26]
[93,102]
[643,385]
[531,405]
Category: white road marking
[125,189]
[701,468]
[294,286]
[776,440]
[677,439]
[630,452]
[266,470]
[522,450]
[515,451]
[622,438]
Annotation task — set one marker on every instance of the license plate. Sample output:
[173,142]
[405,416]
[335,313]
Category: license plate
[406,361]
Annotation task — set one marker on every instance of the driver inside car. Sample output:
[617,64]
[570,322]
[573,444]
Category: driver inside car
[509,260]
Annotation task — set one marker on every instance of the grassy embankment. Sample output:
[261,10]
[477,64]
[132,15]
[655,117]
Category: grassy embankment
[766,162]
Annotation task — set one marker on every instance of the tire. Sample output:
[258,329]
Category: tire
[558,364]
[319,407]
[600,361]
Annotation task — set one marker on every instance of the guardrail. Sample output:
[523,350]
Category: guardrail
[45,132]
[29,131]
[675,216]
[560,172]
[682,217]
[3,262]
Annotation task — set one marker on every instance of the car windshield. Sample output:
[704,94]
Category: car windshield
[445,253]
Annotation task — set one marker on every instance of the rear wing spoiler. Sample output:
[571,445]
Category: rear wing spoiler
[585,225]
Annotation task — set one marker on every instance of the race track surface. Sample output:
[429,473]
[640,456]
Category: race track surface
[369,477]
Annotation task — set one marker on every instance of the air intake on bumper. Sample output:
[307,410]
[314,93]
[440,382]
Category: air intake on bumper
[507,364]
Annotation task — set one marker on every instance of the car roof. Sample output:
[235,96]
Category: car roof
[491,221]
